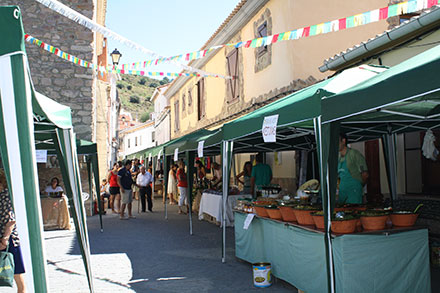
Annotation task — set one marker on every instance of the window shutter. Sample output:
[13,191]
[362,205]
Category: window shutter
[183,103]
[232,60]
[201,98]
[176,116]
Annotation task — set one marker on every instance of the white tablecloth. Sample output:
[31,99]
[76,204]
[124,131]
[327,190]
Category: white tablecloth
[212,205]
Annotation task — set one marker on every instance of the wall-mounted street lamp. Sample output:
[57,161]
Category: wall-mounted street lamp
[116,55]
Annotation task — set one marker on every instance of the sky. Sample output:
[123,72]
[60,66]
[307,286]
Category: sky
[167,27]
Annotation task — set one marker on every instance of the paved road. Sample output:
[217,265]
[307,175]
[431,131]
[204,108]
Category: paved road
[150,254]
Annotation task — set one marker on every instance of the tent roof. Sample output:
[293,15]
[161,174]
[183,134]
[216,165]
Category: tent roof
[47,112]
[404,98]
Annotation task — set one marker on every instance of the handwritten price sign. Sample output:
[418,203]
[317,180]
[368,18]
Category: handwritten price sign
[269,129]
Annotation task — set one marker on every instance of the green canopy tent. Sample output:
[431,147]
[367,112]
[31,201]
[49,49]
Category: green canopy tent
[296,129]
[86,148]
[24,120]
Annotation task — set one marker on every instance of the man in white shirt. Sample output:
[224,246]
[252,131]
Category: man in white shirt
[143,183]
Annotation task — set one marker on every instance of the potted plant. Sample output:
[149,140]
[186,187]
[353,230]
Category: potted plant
[273,212]
[373,220]
[405,218]
[344,223]
[303,214]
[287,212]
[318,219]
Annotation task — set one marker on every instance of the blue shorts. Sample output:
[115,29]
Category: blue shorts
[18,258]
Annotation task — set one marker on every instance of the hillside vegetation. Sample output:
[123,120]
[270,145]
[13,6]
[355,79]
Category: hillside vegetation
[135,93]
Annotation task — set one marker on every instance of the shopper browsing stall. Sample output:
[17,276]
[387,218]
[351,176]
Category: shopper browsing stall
[352,172]
[246,174]
[54,187]
[143,182]
[261,174]
[182,184]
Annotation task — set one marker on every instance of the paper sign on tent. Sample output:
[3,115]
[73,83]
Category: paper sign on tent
[200,148]
[176,154]
[248,221]
[269,129]
[41,156]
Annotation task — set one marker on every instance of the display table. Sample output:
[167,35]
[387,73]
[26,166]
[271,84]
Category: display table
[212,205]
[55,213]
[395,262]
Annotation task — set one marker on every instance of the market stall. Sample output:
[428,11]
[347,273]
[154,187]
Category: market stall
[392,261]
[400,99]
[211,203]
[25,118]
[55,212]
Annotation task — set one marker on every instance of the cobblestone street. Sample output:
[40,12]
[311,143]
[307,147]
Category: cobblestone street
[150,254]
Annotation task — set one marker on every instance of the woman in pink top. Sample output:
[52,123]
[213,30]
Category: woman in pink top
[182,184]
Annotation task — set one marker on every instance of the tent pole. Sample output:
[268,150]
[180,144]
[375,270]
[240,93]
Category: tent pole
[189,178]
[95,167]
[166,170]
[326,201]
[225,183]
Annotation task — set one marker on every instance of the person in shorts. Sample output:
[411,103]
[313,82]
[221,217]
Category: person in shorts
[125,182]
[115,197]
[182,184]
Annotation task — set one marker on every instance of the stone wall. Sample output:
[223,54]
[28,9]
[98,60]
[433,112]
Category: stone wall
[60,80]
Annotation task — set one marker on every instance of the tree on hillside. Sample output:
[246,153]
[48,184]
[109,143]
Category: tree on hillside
[142,81]
[120,86]
[165,80]
[153,84]
[134,99]
[129,87]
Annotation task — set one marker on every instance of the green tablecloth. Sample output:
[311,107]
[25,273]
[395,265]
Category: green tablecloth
[363,263]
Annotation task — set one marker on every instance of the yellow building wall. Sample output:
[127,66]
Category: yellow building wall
[291,60]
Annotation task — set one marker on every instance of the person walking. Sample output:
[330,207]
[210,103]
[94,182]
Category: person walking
[172,184]
[182,184]
[125,182]
[115,196]
[9,236]
[143,183]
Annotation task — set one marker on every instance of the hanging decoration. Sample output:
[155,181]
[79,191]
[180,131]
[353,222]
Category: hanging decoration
[108,69]
[135,68]
[313,30]
[94,26]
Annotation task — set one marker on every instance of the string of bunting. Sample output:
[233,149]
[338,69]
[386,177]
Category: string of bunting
[401,8]
[68,12]
[66,56]
[410,6]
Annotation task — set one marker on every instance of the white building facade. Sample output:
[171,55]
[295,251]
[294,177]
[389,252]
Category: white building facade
[161,115]
[137,138]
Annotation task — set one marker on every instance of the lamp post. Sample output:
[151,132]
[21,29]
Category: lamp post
[114,114]
[116,55]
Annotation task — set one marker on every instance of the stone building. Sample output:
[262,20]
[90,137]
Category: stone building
[161,115]
[63,81]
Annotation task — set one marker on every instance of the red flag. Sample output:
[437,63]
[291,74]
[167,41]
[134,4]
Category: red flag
[248,43]
[342,23]
[383,13]
[306,31]
[275,38]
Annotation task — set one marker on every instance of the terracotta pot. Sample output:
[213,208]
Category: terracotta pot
[319,221]
[358,225]
[287,214]
[274,214]
[261,211]
[404,220]
[304,217]
[344,227]
[374,223]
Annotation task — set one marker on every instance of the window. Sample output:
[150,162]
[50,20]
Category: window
[262,32]
[136,141]
[232,61]
[152,136]
[183,103]
[140,139]
[176,116]
[405,17]
[201,99]
[128,143]
[190,101]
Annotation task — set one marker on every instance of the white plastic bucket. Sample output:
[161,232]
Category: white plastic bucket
[262,274]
